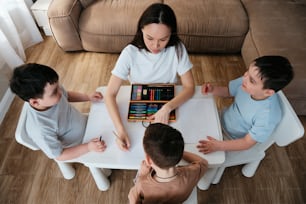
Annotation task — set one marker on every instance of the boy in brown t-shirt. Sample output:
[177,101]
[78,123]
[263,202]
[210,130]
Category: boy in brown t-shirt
[159,180]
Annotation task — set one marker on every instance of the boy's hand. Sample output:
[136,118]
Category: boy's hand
[207,88]
[209,145]
[96,97]
[96,145]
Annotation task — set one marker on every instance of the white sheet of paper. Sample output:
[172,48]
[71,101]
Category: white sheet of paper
[192,119]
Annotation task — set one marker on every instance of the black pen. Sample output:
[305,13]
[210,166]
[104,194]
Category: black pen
[100,138]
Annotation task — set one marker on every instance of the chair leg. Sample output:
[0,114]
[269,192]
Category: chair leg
[218,175]
[248,170]
[67,169]
[101,180]
[207,179]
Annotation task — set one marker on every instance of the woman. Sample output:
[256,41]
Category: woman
[156,55]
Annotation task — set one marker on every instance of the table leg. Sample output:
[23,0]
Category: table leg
[207,179]
[101,180]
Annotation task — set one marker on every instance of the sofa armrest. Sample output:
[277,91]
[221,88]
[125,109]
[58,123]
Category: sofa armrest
[64,23]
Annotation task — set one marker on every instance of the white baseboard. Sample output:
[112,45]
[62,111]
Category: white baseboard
[6,103]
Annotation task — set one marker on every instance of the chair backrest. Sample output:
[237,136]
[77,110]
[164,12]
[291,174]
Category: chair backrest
[287,131]
[290,127]
[21,134]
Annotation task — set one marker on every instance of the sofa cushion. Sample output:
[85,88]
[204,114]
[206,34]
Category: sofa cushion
[214,26]
[64,20]
[110,23]
[86,3]
[278,27]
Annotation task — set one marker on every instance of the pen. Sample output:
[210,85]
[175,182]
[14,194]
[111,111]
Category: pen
[206,88]
[100,138]
[122,142]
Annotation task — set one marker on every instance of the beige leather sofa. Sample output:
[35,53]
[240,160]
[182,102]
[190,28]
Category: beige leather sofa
[278,27]
[252,28]
[108,26]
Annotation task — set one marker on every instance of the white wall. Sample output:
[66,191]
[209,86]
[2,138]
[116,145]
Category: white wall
[6,96]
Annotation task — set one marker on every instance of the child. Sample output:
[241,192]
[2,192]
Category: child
[159,179]
[256,109]
[156,55]
[55,126]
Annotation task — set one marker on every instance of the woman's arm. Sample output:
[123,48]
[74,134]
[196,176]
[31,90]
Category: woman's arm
[162,115]
[187,92]
[113,110]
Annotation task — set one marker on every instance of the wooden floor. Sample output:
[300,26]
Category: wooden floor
[30,177]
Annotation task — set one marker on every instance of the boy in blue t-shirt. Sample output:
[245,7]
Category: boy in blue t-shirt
[256,110]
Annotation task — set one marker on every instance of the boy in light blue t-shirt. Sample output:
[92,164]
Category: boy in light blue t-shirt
[256,109]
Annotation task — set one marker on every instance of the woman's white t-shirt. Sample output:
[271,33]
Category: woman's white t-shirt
[140,66]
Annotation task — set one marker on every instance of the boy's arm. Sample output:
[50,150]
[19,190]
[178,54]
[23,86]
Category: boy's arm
[80,97]
[134,196]
[191,157]
[198,161]
[212,145]
[76,151]
[144,169]
[221,91]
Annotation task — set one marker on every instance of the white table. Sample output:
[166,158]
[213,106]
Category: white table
[196,119]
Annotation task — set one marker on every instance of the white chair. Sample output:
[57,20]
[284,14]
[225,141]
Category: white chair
[65,167]
[22,138]
[288,130]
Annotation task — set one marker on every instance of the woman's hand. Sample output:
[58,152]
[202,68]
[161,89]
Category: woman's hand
[161,116]
[123,141]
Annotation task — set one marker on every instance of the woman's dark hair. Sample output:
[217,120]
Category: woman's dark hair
[160,14]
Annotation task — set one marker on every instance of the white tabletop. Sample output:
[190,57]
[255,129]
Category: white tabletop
[195,119]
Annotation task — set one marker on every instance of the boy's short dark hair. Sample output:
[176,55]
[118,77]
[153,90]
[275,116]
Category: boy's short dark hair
[29,80]
[275,71]
[163,144]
